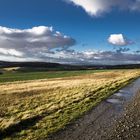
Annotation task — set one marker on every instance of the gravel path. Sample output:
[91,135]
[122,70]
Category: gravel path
[128,127]
[117,118]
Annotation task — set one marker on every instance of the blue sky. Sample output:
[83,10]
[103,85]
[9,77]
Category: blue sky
[88,25]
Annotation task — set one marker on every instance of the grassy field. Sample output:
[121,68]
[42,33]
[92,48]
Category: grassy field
[35,109]
[10,76]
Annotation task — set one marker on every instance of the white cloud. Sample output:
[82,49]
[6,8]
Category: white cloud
[11,52]
[93,7]
[44,44]
[119,40]
[98,7]
[120,56]
[31,42]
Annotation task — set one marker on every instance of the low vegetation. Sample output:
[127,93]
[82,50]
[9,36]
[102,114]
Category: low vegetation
[16,74]
[38,108]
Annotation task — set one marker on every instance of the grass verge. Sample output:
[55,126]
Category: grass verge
[29,112]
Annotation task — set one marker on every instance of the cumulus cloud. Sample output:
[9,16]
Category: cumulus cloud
[11,52]
[87,57]
[98,7]
[44,44]
[138,51]
[119,40]
[122,50]
[31,42]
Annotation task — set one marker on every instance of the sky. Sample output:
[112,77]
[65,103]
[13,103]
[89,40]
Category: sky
[70,31]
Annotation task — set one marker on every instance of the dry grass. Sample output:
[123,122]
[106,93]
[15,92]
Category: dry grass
[35,109]
[11,68]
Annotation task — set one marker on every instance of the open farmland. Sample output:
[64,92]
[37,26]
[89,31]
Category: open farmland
[36,108]
[13,74]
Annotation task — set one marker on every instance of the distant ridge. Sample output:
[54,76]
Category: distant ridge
[65,66]
[28,64]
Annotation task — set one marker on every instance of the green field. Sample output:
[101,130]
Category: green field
[21,76]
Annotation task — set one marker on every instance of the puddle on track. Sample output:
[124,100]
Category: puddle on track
[98,121]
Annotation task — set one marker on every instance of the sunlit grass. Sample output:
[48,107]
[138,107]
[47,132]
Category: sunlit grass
[35,109]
